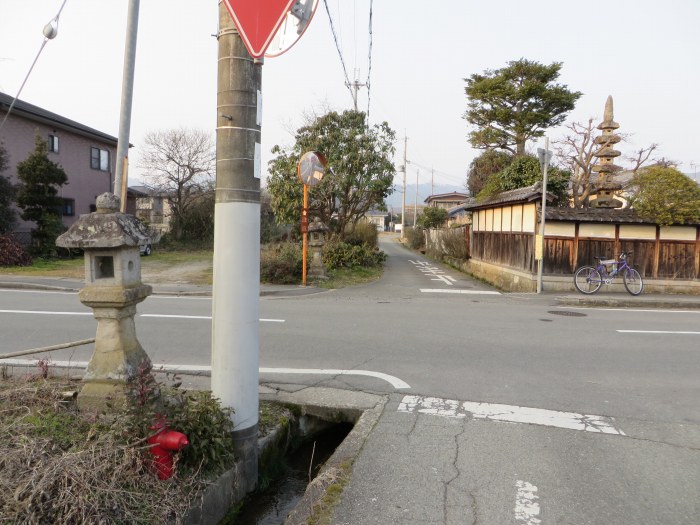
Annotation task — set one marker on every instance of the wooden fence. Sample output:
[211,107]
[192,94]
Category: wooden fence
[659,258]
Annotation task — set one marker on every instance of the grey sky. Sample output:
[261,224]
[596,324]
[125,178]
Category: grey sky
[642,52]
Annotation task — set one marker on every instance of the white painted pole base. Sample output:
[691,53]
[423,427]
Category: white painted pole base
[235,311]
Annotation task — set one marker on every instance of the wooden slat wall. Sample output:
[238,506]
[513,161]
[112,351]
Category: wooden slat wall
[663,259]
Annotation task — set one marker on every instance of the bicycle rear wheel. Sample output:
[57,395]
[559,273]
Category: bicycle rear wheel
[633,281]
[588,280]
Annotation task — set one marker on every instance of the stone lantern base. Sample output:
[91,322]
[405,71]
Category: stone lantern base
[118,356]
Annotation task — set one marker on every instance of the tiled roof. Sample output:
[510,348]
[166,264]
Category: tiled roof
[38,114]
[526,194]
[594,215]
[440,196]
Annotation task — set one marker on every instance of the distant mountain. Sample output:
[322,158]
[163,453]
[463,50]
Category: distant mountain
[423,192]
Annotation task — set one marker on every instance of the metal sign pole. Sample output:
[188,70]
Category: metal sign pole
[544,161]
[305,233]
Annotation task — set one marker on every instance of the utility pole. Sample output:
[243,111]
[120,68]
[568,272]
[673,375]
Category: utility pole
[236,292]
[415,204]
[354,87]
[432,181]
[403,197]
[132,26]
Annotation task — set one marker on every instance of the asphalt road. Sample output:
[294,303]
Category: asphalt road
[454,339]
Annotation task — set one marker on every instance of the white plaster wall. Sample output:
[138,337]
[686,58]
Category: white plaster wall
[677,233]
[560,229]
[603,231]
[517,220]
[529,217]
[637,231]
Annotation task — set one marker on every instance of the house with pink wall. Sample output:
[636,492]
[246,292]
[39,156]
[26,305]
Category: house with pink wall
[85,154]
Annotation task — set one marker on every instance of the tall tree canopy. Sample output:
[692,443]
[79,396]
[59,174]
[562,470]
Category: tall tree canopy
[525,171]
[360,176]
[482,167]
[41,180]
[180,164]
[517,103]
[8,217]
[665,196]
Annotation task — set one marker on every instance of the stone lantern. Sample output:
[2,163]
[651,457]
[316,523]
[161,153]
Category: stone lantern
[317,238]
[113,287]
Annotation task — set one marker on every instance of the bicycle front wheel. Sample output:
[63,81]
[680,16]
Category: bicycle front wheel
[633,281]
[588,280]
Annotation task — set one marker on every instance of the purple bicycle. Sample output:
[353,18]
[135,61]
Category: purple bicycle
[588,279]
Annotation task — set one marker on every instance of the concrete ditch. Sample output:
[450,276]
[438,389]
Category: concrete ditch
[316,409]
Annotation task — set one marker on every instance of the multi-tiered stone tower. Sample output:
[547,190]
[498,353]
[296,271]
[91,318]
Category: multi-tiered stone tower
[606,186]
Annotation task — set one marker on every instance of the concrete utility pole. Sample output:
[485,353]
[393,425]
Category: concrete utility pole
[235,312]
[432,181]
[354,87]
[403,197]
[132,27]
[415,204]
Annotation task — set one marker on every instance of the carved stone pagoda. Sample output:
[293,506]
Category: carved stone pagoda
[605,184]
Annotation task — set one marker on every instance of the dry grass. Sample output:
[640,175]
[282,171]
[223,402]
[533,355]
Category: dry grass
[59,467]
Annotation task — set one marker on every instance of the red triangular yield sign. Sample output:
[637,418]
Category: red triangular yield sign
[258,21]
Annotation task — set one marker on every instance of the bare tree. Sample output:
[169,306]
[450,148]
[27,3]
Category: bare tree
[576,152]
[180,164]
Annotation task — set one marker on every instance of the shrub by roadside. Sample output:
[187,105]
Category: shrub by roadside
[340,254]
[281,263]
[414,238]
[12,253]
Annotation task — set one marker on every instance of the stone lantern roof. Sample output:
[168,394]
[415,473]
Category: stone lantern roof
[106,228]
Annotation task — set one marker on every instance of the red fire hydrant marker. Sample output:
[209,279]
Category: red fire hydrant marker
[165,443]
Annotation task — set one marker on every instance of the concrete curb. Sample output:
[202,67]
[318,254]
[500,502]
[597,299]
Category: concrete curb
[615,302]
[35,286]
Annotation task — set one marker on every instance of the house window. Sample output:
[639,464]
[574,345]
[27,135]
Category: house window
[99,159]
[68,207]
[53,144]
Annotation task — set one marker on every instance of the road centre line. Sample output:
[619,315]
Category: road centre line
[508,413]
[458,291]
[205,370]
[656,332]
[526,506]
[38,312]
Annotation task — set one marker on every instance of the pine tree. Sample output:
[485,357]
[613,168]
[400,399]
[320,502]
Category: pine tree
[41,180]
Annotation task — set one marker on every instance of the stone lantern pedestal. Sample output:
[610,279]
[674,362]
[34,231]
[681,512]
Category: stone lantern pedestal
[112,289]
[317,239]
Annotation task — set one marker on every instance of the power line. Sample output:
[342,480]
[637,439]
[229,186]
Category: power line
[50,31]
[337,46]
[445,174]
[369,60]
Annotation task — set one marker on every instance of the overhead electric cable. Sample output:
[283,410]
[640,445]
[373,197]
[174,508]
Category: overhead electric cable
[50,31]
[369,60]
[337,46]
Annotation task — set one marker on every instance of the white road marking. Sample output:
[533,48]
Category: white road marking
[442,278]
[631,310]
[452,290]
[392,380]
[656,332]
[509,413]
[526,506]
[172,316]
[12,290]
[206,370]
[140,315]
[39,312]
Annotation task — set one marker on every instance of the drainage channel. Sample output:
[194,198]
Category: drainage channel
[271,506]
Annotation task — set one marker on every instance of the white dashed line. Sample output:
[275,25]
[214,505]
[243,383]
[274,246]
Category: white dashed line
[452,290]
[526,506]
[656,332]
[508,413]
